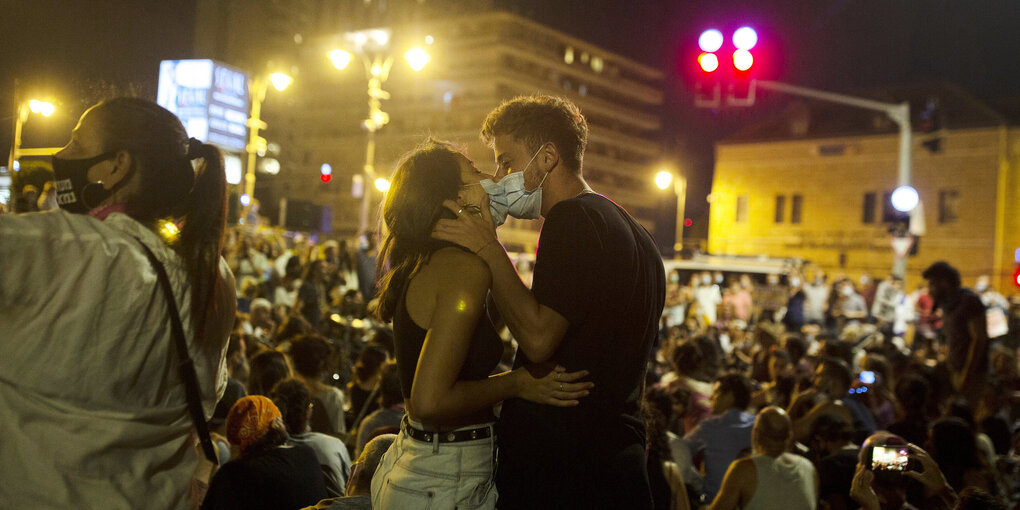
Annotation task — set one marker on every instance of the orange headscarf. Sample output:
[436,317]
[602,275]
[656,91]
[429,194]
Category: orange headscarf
[249,419]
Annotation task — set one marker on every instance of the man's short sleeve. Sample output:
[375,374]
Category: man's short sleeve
[568,251]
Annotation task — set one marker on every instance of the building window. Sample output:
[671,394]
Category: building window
[869,208]
[798,203]
[949,211]
[780,207]
[741,209]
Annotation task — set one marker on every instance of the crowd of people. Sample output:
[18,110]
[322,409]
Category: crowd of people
[186,364]
[778,393]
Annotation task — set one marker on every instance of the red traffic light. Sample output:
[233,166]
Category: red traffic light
[708,62]
[742,60]
[1016,276]
[325,177]
[688,222]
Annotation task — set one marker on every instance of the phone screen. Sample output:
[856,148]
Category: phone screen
[867,377]
[889,458]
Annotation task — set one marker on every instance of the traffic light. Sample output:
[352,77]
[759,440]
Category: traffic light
[725,66]
[707,88]
[739,91]
[326,172]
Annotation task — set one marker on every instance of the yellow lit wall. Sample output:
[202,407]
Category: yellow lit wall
[833,175]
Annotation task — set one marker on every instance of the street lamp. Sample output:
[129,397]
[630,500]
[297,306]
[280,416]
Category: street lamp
[44,108]
[372,48]
[663,179]
[256,143]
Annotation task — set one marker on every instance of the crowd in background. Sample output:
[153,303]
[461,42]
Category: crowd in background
[853,365]
[836,363]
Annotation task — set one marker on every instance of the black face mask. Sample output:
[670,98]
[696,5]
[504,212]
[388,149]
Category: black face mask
[74,191]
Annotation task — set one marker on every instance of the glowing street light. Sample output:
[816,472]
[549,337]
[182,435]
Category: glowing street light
[663,179]
[340,58]
[25,108]
[417,58]
[280,81]
[44,108]
[904,198]
[372,47]
[257,144]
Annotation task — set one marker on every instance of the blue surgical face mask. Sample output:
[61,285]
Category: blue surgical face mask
[509,196]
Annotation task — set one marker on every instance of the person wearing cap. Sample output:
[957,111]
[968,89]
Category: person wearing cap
[95,413]
[268,474]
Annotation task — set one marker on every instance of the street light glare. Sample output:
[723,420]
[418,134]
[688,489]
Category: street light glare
[710,40]
[43,108]
[663,178]
[904,198]
[340,59]
[745,38]
[382,185]
[280,81]
[417,58]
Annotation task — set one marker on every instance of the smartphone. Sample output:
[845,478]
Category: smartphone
[867,377]
[890,458]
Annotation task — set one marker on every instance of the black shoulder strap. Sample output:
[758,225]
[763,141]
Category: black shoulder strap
[185,367]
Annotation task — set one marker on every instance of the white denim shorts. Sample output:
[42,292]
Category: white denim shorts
[419,475]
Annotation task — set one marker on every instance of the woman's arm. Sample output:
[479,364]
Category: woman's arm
[436,394]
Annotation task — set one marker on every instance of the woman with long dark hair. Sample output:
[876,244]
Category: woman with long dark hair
[446,346]
[95,411]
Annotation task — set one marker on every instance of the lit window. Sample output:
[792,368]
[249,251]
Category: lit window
[568,55]
[597,65]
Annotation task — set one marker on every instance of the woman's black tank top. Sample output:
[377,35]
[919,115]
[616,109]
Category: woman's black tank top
[483,354]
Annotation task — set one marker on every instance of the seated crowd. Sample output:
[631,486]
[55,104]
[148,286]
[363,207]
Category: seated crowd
[769,395]
[840,406]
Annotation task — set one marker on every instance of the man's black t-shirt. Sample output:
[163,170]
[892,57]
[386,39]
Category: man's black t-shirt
[598,268]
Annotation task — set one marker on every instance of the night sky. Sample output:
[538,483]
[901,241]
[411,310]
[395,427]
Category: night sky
[77,48]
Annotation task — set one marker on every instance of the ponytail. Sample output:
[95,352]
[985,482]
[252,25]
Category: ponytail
[171,188]
[205,214]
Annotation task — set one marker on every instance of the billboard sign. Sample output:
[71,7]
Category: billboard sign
[210,98]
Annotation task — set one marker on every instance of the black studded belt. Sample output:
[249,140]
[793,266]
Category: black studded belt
[458,436]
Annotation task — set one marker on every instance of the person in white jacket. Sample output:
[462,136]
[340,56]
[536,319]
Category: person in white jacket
[93,410]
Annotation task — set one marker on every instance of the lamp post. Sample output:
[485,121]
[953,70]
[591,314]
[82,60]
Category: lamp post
[256,144]
[663,179]
[23,109]
[372,48]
